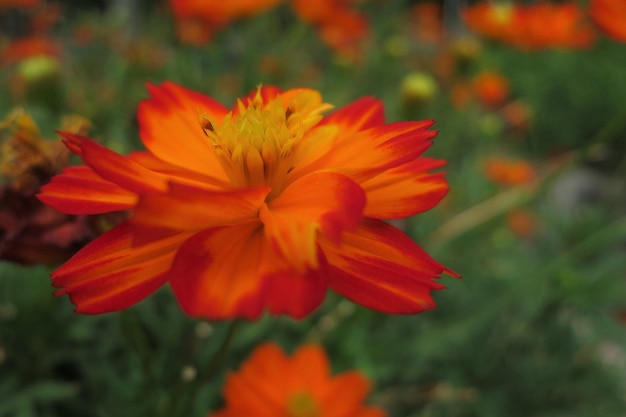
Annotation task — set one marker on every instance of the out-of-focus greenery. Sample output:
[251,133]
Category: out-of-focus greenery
[532,329]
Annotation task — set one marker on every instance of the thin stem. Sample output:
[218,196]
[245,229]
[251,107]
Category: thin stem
[185,392]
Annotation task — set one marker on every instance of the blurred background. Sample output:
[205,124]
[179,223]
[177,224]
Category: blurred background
[530,101]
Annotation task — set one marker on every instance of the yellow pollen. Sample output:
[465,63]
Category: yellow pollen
[255,144]
[302,404]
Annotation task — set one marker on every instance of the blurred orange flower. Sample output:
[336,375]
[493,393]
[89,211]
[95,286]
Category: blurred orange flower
[522,222]
[19,4]
[197,20]
[341,27]
[491,88]
[507,172]
[428,22]
[610,16]
[259,207]
[21,49]
[534,26]
[272,384]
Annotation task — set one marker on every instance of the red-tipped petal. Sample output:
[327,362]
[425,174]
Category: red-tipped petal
[381,268]
[405,190]
[79,190]
[233,272]
[114,167]
[362,114]
[367,153]
[170,127]
[109,274]
[324,202]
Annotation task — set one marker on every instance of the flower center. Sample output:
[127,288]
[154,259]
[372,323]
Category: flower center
[255,144]
[301,404]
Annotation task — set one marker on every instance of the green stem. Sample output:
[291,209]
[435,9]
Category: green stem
[185,392]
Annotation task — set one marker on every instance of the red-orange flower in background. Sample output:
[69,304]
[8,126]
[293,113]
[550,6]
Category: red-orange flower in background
[262,207]
[338,24]
[533,26]
[19,4]
[491,88]
[24,48]
[610,16]
[197,20]
[509,172]
[272,384]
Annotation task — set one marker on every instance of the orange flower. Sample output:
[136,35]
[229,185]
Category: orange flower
[19,4]
[272,384]
[522,222]
[491,88]
[428,22]
[493,20]
[534,26]
[24,48]
[556,25]
[610,16]
[197,20]
[342,28]
[262,207]
[509,172]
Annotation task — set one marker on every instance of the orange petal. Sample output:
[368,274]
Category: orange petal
[258,387]
[310,370]
[170,127]
[367,153]
[177,173]
[405,190]
[79,190]
[186,207]
[325,202]
[362,114]
[233,272]
[381,268]
[345,394]
[114,167]
[109,274]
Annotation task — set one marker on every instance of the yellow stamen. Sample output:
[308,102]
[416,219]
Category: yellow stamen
[255,144]
[302,404]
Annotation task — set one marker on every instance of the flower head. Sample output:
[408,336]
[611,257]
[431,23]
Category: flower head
[534,26]
[610,17]
[261,207]
[272,384]
[197,20]
[338,24]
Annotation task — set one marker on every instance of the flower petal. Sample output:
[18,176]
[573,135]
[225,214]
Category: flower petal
[344,394]
[79,190]
[362,114]
[310,367]
[405,190]
[177,173]
[170,127]
[379,267]
[323,201]
[114,167]
[233,272]
[259,386]
[109,274]
[365,154]
[186,207]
